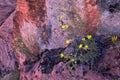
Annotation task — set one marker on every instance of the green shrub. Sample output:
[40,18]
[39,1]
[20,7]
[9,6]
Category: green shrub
[85,52]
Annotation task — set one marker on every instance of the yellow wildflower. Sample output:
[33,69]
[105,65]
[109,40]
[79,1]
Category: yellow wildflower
[114,39]
[65,26]
[83,39]
[80,46]
[86,47]
[68,41]
[89,36]
[62,55]
[72,60]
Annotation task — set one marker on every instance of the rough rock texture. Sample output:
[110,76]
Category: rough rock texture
[7,55]
[6,8]
[110,67]
[110,16]
[31,38]
[46,24]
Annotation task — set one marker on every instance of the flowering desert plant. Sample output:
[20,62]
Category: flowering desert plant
[85,49]
[85,52]
[115,39]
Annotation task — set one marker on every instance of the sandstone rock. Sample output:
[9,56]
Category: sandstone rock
[31,37]
[110,16]
[6,8]
[7,54]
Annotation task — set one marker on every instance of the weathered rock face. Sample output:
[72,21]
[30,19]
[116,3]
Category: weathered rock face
[25,20]
[31,39]
[45,22]
[110,16]
[6,8]
[7,55]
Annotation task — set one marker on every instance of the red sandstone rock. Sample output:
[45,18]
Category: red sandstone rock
[35,26]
